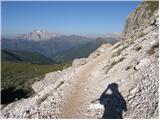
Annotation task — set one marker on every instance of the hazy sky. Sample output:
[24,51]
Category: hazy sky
[65,17]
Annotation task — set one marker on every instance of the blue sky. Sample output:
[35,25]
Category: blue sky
[81,18]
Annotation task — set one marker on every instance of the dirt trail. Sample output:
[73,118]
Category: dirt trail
[78,96]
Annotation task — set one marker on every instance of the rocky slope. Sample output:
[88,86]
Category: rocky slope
[119,81]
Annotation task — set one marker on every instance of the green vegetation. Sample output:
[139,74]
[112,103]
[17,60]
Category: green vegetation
[152,5]
[21,75]
[32,57]
[81,51]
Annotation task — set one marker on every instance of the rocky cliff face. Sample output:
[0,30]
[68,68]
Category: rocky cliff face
[142,20]
[119,81]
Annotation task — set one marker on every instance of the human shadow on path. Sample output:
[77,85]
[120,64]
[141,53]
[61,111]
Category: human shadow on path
[114,103]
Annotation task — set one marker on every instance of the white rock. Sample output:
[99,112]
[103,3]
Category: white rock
[96,106]
[79,62]
[148,29]
[154,42]
[143,62]
[134,90]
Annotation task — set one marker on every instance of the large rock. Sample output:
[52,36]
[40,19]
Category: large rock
[101,50]
[79,62]
[143,63]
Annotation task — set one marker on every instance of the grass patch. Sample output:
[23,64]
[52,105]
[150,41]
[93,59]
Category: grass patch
[21,75]
[151,5]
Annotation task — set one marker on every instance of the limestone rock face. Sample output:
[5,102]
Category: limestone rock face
[119,81]
[79,62]
[101,50]
[142,63]
[143,20]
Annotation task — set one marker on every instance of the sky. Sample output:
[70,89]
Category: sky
[82,18]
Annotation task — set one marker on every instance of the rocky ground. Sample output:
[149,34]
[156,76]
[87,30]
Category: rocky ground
[119,81]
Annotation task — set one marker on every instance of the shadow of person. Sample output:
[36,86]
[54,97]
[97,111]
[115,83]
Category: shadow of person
[114,103]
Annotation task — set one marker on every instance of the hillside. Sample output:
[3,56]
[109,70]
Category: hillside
[114,82]
[18,77]
[82,51]
[50,44]
[46,47]
[22,56]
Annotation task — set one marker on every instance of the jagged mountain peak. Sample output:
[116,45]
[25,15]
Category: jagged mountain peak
[38,34]
[39,31]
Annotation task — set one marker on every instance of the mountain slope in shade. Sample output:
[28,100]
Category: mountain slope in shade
[52,46]
[46,47]
[82,51]
[22,56]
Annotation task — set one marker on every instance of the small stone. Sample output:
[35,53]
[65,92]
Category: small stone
[153,22]
[134,90]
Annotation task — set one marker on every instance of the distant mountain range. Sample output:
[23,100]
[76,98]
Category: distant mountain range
[38,35]
[81,51]
[115,35]
[56,46]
